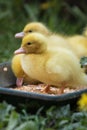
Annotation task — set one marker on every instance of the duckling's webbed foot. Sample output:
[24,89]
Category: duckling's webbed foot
[19,82]
[61,90]
[46,89]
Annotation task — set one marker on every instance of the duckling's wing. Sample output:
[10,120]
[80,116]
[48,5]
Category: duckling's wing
[58,68]
[52,66]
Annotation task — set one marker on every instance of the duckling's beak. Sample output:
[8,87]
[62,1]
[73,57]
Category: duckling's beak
[19,51]
[19,35]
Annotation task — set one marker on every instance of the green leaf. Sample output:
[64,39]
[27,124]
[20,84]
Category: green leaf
[29,125]
[5,109]
[13,120]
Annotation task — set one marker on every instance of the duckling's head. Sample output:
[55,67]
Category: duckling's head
[33,27]
[33,43]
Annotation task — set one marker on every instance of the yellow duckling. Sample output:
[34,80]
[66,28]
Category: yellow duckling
[48,65]
[33,27]
[19,73]
[79,45]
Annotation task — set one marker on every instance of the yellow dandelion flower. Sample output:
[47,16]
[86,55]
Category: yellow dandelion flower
[82,102]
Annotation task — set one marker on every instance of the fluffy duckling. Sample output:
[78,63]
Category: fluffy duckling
[33,27]
[19,73]
[79,45]
[50,65]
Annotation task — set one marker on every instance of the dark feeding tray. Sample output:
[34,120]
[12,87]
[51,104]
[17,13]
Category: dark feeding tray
[8,80]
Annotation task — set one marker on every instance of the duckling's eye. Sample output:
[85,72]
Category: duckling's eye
[30,31]
[29,43]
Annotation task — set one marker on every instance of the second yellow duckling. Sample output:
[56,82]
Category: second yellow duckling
[79,45]
[57,68]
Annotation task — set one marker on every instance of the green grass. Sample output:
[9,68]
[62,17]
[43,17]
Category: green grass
[54,118]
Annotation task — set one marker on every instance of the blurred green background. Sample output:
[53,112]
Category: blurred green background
[65,16]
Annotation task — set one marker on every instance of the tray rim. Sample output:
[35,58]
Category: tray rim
[46,97]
